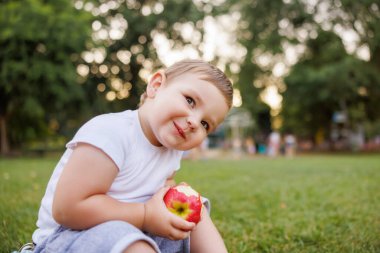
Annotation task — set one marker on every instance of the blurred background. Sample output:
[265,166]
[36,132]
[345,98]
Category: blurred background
[306,78]
[306,73]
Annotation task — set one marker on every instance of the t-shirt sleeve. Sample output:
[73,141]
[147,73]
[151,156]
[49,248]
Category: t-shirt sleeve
[177,165]
[106,133]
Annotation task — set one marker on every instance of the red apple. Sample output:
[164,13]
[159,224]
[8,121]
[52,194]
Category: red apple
[185,202]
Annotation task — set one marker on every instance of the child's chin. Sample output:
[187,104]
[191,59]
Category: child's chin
[178,147]
[186,147]
[172,143]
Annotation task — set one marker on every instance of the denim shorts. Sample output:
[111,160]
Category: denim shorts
[111,236]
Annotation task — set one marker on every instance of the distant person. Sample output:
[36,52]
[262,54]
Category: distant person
[204,148]
[274,143]
[290,145]
[106,192]
[261,148]
[250,146]
[236,147]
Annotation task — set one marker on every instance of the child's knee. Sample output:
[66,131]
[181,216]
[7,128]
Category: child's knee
[140,247]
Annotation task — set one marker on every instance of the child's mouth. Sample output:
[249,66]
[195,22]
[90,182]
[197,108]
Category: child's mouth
[180,131]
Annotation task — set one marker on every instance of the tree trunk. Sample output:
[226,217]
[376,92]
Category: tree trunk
[4,145]
[375,57]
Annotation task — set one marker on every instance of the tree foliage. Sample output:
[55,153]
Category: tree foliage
[328,77]
[259,31]
[363,17]
[113,45]
[325,81]
[109,43]
[38,41]
[130,50]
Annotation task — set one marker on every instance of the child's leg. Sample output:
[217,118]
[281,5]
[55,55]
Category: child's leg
[112,236]
[205,237]
[167,245]
[140,246]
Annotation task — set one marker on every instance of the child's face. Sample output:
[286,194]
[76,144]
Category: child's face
[184,110]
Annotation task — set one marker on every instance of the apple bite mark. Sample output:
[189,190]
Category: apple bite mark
[187,190]
[185,202]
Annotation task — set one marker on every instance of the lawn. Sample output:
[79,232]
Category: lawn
[316,203]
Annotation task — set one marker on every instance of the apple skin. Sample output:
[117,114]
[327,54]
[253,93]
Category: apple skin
[185,202]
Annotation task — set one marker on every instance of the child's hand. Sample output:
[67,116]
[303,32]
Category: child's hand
[159,221]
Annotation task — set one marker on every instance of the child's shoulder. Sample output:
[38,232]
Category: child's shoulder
[111,121]
[106,127]
[116,117]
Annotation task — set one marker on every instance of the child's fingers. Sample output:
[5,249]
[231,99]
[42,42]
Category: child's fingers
[182,224]
[176,234]
[161,192]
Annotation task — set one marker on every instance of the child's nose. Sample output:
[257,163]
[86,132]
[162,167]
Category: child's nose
[193,122]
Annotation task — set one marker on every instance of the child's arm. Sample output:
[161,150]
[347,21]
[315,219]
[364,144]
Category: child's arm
[80,200]
[170,180]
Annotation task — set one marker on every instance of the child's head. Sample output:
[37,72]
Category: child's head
[184,103]
[206,72]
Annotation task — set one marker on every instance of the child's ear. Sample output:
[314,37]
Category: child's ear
[155,82]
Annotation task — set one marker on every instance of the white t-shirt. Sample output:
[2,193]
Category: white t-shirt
[143,167]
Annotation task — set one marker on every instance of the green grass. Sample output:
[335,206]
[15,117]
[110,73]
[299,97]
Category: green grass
[320,203]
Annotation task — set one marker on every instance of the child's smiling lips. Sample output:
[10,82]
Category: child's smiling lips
[180,131]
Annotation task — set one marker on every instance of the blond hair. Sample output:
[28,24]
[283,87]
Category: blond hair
[207,72]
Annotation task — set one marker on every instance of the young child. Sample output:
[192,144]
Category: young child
[106,192]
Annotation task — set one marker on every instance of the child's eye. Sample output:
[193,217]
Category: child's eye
[205,125]
[190,101]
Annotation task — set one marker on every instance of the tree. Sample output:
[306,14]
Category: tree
[346,83]
[361,17]
[327,81]
[38,41]
[267,28]
[44,44]
[259,32]
[125,51]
